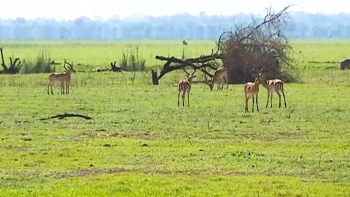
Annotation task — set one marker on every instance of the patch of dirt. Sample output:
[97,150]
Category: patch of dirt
[229,172]
[99,171]
[105,134]
[290,135]
[286,135]
[253,136]
[87,172]
[28,175]
[16,148]
[144,135]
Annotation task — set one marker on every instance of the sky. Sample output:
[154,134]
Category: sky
[104,9]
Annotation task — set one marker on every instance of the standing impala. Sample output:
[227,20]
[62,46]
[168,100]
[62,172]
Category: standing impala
[220,77]
[63,77]
[251,89]
[184,86]
[273,85]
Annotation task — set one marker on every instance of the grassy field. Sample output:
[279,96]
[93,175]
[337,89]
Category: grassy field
[139,143]
[102,53]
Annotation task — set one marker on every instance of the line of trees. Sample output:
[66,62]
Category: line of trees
[181,26]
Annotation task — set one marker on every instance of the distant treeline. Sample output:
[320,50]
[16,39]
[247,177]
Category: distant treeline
[181,26]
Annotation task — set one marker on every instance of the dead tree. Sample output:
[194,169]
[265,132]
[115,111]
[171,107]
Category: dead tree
[14,67]
[344,64]
[55,63]
[260,44]
[184,42]
[115,68]
[201,63]
[155,80]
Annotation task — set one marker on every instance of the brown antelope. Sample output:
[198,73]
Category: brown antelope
[184,86]
[220,77]
[251,89]
[63,77]
[272,85]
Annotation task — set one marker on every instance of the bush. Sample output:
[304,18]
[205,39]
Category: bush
[131,61]
[42,64]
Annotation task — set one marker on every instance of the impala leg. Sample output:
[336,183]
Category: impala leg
[51,88]
[67,87]
[271,99]
[246,104]
[183,98]
[279,98]
[284,99]
[178,99]
[253,97]
[62,87]
[188,98]
[268,97]
[48,88]
[256,102]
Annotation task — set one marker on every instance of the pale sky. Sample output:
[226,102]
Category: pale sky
[71,9]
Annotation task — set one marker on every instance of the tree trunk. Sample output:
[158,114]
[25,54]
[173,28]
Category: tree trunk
[155,77]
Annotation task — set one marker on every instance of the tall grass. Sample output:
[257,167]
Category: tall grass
[42,64]
[131,61]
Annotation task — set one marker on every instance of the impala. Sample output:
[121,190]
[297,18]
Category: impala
[273,85]
[184,86]
[220,77]
[63,77]
[251,89]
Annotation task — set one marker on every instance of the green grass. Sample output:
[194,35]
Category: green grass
[102,53]
[139,143]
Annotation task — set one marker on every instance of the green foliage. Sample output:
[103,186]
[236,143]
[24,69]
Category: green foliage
[131,61]
[42,64]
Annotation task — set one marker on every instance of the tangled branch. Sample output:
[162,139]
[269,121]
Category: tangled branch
[260,44]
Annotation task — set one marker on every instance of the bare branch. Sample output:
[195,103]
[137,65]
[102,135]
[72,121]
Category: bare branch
[199,63]
[257,45]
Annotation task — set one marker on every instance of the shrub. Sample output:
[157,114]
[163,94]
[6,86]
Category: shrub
[131,61]
[42,64]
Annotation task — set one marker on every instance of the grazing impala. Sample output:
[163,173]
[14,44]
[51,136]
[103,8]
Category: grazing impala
[273,85]
[220,77]
[251,89]
[184,86]
[63,77]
